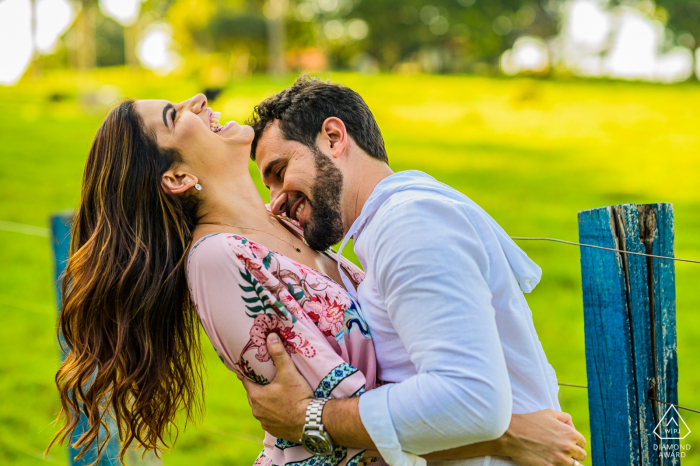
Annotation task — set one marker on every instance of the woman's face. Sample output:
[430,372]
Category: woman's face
[186,128]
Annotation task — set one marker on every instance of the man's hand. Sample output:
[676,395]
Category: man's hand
[543,438]
[280,406]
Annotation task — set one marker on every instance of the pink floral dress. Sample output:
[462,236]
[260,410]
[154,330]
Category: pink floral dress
[244,291]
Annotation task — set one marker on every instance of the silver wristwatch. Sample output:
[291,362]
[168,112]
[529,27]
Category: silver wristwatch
[315,439]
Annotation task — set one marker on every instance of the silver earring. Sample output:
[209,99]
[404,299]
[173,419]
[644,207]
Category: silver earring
[198,187]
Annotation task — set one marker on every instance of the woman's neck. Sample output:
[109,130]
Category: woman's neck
[235,202]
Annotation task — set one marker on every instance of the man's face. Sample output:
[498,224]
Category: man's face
[304,184]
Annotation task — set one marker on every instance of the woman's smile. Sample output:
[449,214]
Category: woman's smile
[216,127]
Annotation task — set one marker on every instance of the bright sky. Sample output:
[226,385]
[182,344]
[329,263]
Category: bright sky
[155,50]
[54,17]
[15,39]
[125,12]
[600,40]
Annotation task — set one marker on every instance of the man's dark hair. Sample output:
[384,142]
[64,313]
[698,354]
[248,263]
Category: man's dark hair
[303,107]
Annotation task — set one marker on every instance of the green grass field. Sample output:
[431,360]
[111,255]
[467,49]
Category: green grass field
[532,153]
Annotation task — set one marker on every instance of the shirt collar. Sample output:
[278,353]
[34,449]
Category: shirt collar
[384,190]
[526,272]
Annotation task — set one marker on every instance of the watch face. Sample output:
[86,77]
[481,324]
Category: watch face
[317,443]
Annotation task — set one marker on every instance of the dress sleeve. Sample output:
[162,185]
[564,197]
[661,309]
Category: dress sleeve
[242,294]
[216,278]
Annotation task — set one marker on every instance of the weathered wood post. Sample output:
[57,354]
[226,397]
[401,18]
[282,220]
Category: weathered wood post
[630,328]
[60,240]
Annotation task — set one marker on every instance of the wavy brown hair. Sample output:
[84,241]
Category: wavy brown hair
[130,331]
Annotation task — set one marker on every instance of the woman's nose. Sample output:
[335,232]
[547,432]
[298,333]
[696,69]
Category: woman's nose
[197,103]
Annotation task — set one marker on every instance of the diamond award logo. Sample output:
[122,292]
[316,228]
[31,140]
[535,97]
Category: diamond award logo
[672,426]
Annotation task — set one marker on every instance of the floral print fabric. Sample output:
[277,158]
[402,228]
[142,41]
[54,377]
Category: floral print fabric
[243,292]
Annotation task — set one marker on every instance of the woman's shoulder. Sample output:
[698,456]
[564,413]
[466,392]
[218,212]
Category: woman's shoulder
[217,249]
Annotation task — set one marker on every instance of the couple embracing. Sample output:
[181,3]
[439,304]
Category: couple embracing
[428,355]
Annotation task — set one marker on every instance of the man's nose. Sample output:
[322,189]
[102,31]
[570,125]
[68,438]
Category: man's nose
[277,204]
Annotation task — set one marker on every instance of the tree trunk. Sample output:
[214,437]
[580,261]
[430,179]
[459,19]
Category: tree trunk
[276,11]
[86,36]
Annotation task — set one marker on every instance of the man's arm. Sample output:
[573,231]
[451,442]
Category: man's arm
[432,272]
[543,438]
[281,405]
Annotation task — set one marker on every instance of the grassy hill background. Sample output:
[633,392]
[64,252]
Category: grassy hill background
[531,152]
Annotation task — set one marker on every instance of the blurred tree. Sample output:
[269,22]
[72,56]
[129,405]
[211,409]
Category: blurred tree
[449,35]
[86,49]
[109,42]
[276,12]
[233,33]
[683,18]
[223,38]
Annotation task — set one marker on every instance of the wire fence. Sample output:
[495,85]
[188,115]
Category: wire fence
[523,238]
[24,229]
[45,232]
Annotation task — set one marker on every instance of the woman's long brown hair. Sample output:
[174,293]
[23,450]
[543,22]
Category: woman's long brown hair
[130,331]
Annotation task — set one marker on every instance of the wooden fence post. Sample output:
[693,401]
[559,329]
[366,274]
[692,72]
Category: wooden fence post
[630,329]
[60,240]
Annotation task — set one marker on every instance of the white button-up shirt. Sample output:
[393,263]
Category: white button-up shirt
[443,297]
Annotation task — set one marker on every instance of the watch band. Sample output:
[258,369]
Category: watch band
[314,412]
[314,437]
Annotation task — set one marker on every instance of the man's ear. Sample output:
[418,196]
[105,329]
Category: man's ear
[334,136]
[177,181]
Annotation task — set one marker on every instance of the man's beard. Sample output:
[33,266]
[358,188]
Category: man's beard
[325,226]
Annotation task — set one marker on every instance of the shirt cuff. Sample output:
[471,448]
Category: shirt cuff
[376,417]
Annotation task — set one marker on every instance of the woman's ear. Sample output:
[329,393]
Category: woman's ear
[177,182]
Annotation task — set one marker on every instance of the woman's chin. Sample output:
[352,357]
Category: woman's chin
[240,134]
[238,142]
[234,131]
[228,129]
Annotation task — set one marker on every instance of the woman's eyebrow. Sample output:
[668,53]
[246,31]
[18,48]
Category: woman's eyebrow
[165,113]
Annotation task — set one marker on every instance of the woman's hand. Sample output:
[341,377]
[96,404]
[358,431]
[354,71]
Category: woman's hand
[543,438]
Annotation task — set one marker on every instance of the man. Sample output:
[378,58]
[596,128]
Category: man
[443,296]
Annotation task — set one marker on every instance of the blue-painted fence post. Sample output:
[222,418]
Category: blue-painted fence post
[60,240]
[630,329]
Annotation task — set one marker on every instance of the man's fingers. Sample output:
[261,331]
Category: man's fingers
[580,440]
[278,353]
[249,385]
[563,417]
[579,454]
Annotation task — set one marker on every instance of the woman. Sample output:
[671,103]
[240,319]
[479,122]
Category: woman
[169,216]
[159,178]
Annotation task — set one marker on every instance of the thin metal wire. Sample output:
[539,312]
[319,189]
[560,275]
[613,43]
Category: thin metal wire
[26,306]
[523,238]
[601,247]
[37,231]
[24,229]
[651,398]
[671,404]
